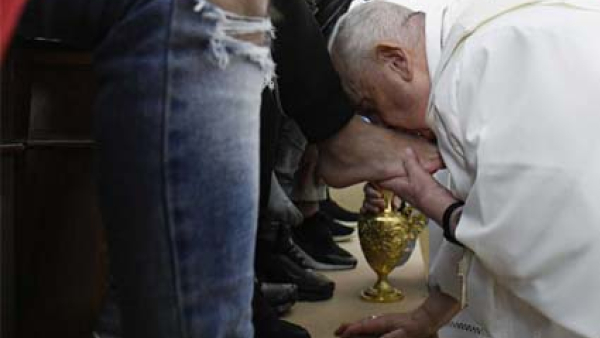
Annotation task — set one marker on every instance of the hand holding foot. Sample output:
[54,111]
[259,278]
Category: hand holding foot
[363,152]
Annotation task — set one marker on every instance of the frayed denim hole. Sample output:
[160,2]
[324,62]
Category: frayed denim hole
[220,53]
[257,53]
[226,41]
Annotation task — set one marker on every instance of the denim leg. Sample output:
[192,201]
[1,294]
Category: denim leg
[177,123]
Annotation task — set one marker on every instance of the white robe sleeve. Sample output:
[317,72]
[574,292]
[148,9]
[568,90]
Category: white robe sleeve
[528,107]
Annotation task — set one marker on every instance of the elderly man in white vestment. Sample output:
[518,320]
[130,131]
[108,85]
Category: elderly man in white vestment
[511,91]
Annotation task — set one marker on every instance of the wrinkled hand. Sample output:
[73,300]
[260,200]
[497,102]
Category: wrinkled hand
[397,325]
[374,202]
[423,322]
[419,188]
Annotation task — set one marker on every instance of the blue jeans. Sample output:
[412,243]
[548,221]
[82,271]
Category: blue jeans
[177,123]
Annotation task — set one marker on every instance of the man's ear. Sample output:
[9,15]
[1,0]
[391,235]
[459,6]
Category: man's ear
[396,58]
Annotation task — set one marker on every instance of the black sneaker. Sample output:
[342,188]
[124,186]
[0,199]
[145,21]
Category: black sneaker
[314,237]
[331,208]
[279,328]
[287,247]
[278,268]
[267,325]
[280,296]
[280,260]
[340,232]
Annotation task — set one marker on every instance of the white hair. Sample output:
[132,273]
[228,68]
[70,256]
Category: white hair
[358,31]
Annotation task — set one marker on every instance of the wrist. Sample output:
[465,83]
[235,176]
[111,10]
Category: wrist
[439,309]
[425,320]
[434,204]
[450,220]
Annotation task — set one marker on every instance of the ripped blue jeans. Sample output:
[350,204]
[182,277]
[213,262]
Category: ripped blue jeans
[177,124]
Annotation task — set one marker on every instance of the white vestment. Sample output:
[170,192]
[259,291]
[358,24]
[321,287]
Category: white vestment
[443,267]
[516,109]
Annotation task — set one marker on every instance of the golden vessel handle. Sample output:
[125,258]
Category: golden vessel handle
[388,197]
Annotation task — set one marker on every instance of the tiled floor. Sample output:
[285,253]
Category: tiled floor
[322,318]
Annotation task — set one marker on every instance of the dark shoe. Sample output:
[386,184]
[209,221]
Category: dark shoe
[279,329]
[296,251]
[267,325]
[275,237]
[314,237]
[304,260]
[340,232]
[287,247]
[331,208]
[280,296]
[283,309]
[278,268]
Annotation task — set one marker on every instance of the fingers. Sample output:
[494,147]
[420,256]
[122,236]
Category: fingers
[433,165]
[340,330]
[400,333]
[374,202]
[429,156]
[371,191]
[368,326]
[412,186]
[415,170]
[372,209]
[399,185]
[412,165]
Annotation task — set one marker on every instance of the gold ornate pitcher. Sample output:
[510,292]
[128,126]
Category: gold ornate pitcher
[383,238]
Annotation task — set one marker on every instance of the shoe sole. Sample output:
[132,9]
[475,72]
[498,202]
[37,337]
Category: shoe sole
[351,224]
[103,335]
[314,264]
[283,309]
[307,296]
[344,238]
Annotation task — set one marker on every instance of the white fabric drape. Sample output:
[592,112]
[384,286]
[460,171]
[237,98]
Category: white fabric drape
[516,109]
